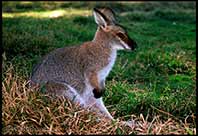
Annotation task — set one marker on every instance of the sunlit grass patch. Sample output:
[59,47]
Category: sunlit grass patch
[49,14]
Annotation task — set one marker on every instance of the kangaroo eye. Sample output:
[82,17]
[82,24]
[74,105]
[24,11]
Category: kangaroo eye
[121,35]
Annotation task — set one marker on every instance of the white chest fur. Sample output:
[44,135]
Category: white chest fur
[102,74]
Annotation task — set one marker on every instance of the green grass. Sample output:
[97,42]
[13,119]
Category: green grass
[158,78]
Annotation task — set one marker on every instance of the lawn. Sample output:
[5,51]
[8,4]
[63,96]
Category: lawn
[154,85]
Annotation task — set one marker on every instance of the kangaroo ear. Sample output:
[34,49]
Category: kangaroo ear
[100,18]
[109,14]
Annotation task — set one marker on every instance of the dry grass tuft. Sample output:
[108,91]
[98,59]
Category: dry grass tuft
[27,111]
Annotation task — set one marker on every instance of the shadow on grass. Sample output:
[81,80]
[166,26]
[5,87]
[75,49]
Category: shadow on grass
[26,35]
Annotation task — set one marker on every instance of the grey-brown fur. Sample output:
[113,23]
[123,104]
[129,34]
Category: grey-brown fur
[70,64]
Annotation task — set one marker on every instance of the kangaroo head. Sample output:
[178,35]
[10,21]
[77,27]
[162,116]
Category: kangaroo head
[115,33]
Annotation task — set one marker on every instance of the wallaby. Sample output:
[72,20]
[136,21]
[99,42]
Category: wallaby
[79,72]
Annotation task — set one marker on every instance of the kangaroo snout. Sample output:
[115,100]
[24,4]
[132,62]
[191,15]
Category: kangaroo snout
[132,44]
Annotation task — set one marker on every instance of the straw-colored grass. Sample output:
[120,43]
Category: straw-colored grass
[28,111]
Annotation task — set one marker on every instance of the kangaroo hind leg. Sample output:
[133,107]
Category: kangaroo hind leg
[63,89]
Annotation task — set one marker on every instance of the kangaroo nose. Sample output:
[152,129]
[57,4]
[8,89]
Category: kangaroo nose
[132,44]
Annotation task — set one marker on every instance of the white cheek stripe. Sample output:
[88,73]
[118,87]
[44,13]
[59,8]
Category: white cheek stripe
[124,44]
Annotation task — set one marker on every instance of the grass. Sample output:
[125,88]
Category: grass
[155,85]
